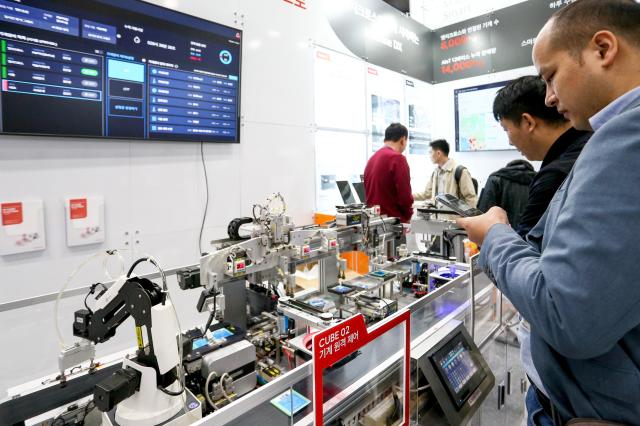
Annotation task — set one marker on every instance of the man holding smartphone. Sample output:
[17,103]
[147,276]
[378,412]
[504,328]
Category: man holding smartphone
[585,321]
[540,133]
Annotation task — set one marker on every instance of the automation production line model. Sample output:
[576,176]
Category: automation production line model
[108,68]
[234,353]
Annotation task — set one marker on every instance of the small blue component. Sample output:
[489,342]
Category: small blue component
[341,289]
[290,402]
[317,303]
[198,343]
[221,333]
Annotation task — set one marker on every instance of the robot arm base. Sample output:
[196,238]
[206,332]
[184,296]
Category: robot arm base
[120,386]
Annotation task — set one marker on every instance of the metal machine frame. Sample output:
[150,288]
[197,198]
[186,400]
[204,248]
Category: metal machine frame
[230,413]
[275,250]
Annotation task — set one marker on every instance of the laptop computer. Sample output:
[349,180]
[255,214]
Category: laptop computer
[362,193]
[345,192]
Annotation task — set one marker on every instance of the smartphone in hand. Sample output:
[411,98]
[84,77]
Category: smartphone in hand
[458,206]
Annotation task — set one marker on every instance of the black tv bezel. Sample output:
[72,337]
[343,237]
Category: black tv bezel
[168,139]
[456,92]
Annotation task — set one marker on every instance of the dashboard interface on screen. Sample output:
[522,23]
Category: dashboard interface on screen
[476,128]
[117,69]
[459,368]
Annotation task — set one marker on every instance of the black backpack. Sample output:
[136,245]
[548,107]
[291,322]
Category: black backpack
[458,173]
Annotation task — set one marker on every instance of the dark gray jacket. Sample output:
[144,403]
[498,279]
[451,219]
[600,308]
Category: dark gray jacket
[508,188]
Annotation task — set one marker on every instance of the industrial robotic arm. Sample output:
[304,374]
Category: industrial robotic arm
[147,389]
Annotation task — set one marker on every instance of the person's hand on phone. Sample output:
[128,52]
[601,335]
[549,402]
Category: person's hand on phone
[477,227]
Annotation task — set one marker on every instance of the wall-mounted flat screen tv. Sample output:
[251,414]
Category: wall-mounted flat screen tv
[476,128]
[117,69]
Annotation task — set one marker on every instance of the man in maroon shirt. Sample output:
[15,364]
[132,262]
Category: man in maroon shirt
[386,177]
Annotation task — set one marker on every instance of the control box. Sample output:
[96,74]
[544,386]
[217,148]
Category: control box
[348,218]
[456,371]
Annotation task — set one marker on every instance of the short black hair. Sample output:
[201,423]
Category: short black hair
[440,145]
[574,25]
[395,132]
[525,95]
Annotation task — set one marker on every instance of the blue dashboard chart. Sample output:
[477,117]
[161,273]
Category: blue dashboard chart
[117,69]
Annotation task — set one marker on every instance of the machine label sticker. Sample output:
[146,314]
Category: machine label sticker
[343,339]
[11,214]
[78,208]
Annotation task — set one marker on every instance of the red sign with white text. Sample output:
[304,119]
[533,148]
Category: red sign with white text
[78,208]
[11,213]
[343,339]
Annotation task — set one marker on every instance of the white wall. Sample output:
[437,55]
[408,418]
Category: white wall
[344,86]
[157,189]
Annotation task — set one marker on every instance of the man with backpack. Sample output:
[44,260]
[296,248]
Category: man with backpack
[448,177]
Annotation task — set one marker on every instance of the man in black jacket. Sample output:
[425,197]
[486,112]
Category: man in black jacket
[508,188]
[542,134]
